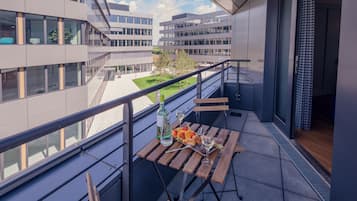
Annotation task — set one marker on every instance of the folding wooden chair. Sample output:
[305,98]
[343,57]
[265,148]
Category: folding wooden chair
[93,194]
[211,105]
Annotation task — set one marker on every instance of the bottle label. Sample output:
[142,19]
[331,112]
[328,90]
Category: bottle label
[160,121]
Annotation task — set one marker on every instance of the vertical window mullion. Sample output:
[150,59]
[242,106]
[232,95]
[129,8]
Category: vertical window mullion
[45,30]
[2,166]
[46,79]
[0,92]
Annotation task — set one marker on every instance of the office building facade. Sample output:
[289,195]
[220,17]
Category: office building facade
[206,38]
[131,40]
[51,66]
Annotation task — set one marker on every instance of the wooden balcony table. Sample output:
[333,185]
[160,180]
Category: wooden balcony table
[189,161]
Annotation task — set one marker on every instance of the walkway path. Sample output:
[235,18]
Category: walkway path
[115,89]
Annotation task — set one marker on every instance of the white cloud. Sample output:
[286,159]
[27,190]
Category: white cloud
[206,8]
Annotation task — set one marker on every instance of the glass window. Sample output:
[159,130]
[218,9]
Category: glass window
[122,19]
[37,150]
[113,18]
[73,75]
[72,32]
[35,77]
[9,84]
[52,30]
[137,20]
[53,143]
[130,19]
[34,29]
[53,78]
[7,28]
[144,21]
[12,162]
[73,134]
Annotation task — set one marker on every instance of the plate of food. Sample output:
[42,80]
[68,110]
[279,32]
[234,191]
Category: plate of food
[191,139]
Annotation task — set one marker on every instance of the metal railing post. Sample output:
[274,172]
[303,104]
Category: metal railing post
[199,94]
[238,86]
[227,72]
[127,182]
[222,80]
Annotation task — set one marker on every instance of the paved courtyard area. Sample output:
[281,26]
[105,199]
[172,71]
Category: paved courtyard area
[119,87]
[264,172]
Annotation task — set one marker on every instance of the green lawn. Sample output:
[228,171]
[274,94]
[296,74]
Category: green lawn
[152,80]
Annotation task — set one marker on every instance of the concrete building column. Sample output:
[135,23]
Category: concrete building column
[61,72]
[20,39]
[60,31]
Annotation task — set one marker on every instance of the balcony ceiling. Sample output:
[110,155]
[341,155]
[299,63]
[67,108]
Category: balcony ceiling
[231,6]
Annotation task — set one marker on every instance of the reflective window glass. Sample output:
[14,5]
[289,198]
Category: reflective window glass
[7,28]
[34,29]
[122,19]
[37,150]
[52,30]
[73,134]
[53,141]
[130,19]
[53,78]
[35,77]
[12,162]
[9,84]
[72,32]
[73,75]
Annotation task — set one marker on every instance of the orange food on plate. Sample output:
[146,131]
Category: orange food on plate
[186,136]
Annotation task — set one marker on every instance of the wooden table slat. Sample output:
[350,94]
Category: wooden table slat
[195,159]
[204,169]
[182,155]
[167,157]
[156,153]
[224,162]
[148,148]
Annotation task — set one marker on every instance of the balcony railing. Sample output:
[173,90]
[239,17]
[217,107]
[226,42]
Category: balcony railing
[126,125]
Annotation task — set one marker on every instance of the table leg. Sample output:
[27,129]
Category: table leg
[162,181]
[200,189]
[214,191]
[183,186]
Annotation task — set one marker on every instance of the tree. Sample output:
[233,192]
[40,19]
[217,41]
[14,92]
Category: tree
[184,63]
[163,62]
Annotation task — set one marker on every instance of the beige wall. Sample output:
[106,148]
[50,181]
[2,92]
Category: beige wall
[248,39]
[58,8]
[20,115]
[35,55]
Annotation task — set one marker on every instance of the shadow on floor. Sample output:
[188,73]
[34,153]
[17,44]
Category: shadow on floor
[264,171]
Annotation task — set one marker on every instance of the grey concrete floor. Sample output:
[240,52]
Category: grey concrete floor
[264,172]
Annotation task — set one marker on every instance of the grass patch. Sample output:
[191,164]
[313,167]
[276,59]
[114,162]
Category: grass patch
[168,91]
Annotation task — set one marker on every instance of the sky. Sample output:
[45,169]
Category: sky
[163,10]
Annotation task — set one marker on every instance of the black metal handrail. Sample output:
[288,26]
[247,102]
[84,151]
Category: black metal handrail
[127,123]
[40,131]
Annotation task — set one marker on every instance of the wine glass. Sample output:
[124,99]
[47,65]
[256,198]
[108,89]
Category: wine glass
[207,142]
[180,115]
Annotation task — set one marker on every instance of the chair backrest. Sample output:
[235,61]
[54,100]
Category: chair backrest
[93,194]
[211,104]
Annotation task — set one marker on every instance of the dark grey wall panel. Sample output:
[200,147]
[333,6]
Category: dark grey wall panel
[344,167]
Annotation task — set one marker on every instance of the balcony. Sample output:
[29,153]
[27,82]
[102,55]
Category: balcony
[269,169]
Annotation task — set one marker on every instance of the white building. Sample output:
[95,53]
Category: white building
[205,38]
[131,40]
